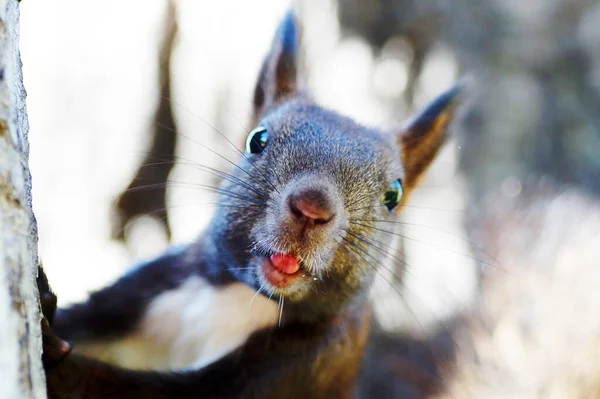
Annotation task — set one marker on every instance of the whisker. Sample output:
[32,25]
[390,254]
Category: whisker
[407,267]
[496,266]
[382,251]
[219,190]
[357,201]
[247,132]
[255,295]
[281,302]
[156,212]
[376,269]
[214,171]
[406,305]
[235,165]
[410,206]
[237,120]
[398,278]
[427,208]
[225,137]
[366,207]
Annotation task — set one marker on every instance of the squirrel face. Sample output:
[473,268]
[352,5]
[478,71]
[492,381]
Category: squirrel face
[327,172]
[302,213]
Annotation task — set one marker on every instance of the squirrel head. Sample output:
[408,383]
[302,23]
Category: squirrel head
[304,214]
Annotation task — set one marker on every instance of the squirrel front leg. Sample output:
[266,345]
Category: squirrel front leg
[295,361]
[114,311]
[70,375]
[286,362]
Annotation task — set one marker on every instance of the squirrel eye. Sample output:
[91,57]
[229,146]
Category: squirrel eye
[393,195]
[257,140]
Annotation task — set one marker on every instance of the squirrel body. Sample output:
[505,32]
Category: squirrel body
[271,301]
[188,327]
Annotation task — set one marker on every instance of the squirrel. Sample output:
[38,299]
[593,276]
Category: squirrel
[271,301]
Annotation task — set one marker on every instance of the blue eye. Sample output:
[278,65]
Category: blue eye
[393,195]
[257,140]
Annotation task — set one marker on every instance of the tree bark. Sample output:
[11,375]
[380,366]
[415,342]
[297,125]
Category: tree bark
[21,370]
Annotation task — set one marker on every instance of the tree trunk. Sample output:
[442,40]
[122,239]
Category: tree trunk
[20,337]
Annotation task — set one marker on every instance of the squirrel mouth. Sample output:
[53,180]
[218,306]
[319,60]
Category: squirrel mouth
[281,270]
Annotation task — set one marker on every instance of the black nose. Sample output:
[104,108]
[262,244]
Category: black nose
[311,207]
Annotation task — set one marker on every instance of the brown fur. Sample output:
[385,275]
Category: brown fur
[348,359]
[421,143]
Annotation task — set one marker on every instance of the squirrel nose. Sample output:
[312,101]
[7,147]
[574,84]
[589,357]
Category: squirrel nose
[311,208]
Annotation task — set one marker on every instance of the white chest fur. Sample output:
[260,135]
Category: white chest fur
[189,327]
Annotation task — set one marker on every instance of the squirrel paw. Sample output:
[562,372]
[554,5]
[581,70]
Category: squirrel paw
[54,348]
[47,298]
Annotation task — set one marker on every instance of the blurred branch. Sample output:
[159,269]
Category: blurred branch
[151,176]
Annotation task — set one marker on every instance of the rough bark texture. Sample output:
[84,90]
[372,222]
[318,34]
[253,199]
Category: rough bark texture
[20,339]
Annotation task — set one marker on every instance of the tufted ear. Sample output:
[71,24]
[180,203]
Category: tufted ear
[423,136]
[279,76]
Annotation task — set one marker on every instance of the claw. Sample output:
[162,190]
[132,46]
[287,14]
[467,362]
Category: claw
[54,348]
[47,298]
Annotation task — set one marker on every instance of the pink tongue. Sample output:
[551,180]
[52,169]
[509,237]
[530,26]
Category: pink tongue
[285,264]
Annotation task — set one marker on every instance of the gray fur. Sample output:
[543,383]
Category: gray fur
[311,148]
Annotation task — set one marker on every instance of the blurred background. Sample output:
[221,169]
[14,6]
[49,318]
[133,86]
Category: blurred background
[109,81]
